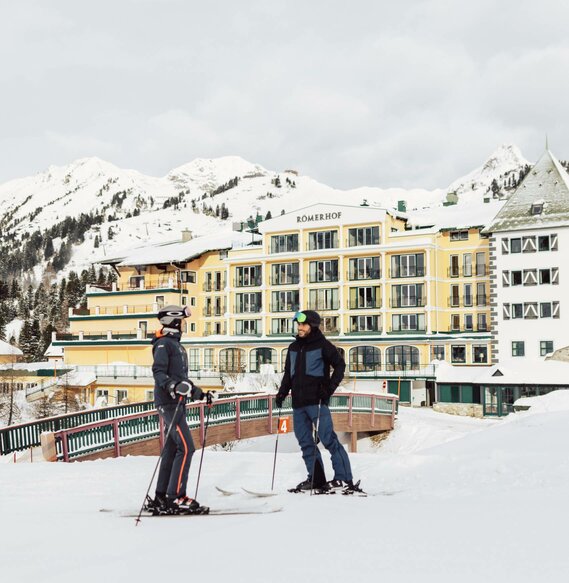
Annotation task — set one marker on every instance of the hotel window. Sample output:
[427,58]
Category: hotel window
[285,301]
[364,297]
[481,264]
[188,276]
[515,245]
[193,327]
[330,325]
[251,327]
[467,265]
[458,354]
[363,236]
[437,352]
[545,276]
[468,322]
[454,266]
[517,310]
[136,282]
[250,302]
[480,353]
[284,243]
[322,240]
[208,358]
[365,359]
[122,395]
[545,310]
[481,294]
[285,274]
[467,294]
[364,268]
[248,276]
[402,358]
[543,243]
[454,296]
[323,299]
[321,271]
[364,324]
[459,235]
[518,348]
[545,347]
[408,265]
[194,358]
[455,322]
[281,326]
[481,325]
[403,322]
[516,278]
[404,296]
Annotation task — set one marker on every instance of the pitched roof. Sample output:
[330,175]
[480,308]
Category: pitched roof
[548,183]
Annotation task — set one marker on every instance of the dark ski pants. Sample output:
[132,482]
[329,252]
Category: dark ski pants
[177,454]
[304,423]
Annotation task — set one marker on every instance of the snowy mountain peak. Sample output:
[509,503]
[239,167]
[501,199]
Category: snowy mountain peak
[504,162]
[212,172]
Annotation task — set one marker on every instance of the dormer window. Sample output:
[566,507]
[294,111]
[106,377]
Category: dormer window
[537,208]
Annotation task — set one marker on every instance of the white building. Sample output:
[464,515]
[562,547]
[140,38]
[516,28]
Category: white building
[529,265]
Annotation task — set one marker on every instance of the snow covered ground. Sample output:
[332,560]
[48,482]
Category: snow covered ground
[452,499]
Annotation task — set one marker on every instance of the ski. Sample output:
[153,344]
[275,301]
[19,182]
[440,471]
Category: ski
[226,492]
[216,512]
[254,493]
[259,494]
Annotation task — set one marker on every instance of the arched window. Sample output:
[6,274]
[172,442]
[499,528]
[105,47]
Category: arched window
[402,358]
[365,359]
[260,356]
[232,360]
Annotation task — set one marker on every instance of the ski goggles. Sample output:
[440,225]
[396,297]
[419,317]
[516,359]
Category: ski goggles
[299,317]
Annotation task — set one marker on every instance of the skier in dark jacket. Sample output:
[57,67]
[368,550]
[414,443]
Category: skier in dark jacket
[171,390]
[307,375]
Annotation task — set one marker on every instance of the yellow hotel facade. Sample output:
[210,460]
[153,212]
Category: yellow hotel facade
[391,296]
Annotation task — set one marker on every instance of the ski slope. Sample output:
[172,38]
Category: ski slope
[452,499]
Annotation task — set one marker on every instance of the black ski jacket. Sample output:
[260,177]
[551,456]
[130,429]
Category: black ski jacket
[170,365]
[307,370]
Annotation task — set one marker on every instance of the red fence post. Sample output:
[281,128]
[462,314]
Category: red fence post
[64,446]
[116,438]
[238,419]
[373,410]
[350,404]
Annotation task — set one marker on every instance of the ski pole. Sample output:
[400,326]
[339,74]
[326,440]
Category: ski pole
[276,446]
[209,406]
[180,401]
[315,446]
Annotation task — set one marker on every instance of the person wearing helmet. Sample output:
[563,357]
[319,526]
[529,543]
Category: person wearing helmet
[172,387]
[307,376]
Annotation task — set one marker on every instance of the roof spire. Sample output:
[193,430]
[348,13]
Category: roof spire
[546,143]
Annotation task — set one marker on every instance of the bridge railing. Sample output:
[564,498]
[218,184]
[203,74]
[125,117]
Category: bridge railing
[25,435]
[117,432]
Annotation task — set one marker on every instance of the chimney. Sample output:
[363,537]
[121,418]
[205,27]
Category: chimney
[186,235]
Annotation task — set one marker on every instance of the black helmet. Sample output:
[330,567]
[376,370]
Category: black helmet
[309,316]
[172,316]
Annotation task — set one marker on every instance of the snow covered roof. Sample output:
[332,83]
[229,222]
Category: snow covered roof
[518,371]
[54,350]
[9,350]
[548,183]
[183,250]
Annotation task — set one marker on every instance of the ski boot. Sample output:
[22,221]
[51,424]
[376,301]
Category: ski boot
[352,489]
[185,505]
[155,505]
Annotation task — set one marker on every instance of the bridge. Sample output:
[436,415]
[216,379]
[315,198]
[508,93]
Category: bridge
[230,418]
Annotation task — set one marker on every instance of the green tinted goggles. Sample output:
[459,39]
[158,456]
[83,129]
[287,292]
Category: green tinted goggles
[299,317]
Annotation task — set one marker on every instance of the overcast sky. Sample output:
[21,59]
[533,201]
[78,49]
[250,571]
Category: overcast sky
[361,93]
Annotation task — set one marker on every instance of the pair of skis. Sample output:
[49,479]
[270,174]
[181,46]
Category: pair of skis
[356,491]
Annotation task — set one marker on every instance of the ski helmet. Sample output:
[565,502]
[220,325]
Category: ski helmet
[309,316]
[172,316]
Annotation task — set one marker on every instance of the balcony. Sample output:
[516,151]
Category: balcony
[292,280]
[284,307]
[474,271]
[147,309]
[248,309]
[364,305]
[408,302]
[406,273]
[407,331]
[108,335]
[323,306]
[363,275]
[141,283]
[248,282]
[214,286]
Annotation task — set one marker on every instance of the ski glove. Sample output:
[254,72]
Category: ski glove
[196,394]
[182,388]
[210,397]
[279,399]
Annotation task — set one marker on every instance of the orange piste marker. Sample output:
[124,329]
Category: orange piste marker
[284,425]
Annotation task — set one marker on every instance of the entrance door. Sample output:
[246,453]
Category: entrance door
[492,401]
[401,388]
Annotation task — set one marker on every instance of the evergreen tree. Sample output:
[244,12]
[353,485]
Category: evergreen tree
[48,249]
[268,216]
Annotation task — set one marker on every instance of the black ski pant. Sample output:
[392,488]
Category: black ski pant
[177,454]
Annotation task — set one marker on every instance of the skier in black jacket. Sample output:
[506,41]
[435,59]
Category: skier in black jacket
[171,389]
[307,375]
